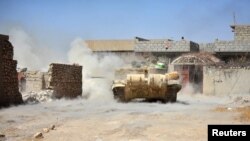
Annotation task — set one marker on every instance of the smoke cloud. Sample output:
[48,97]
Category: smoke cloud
[29,53]
[190,89]
[98,71]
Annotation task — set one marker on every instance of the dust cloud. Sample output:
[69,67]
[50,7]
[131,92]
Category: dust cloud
[190,89]
[29,53]
[98,71]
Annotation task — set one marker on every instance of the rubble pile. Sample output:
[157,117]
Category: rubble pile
[8,75]
[38,97]
[239,101]
[65,80]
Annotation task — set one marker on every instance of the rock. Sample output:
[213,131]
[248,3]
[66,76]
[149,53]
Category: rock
[2,135]
[45,130]
[52,127]
[38,135]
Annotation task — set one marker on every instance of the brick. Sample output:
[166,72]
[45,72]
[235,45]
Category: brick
[65,80]
[9,93]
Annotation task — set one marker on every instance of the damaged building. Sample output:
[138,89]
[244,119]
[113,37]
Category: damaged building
[65,80]
[231,77]
[190,67]
[166,50]
[32,80]
[209,66]
[143,50]
[122,48]
[232,49]
[8,75]
[206,65]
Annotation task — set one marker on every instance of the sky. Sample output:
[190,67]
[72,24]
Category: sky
[56,23]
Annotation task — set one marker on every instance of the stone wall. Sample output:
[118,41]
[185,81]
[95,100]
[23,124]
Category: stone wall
[65,80]
[9,93]
[226,81]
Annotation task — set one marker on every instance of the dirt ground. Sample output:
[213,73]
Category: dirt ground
[107,120]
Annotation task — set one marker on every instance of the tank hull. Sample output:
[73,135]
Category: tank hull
[152,87]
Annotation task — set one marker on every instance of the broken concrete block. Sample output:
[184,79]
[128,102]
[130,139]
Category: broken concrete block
[38,135]
[45,130]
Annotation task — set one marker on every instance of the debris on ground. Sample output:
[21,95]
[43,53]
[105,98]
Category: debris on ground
[237,104]
[45,130]
[52,127]
[37,97]
[238,101]
[38,135]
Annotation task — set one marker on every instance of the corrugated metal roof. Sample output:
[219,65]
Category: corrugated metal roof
[196,59]
[110,45]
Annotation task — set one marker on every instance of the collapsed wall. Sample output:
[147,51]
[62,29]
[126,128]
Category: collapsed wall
[65,80]
[9,93]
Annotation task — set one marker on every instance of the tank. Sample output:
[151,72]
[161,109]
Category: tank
[149,86]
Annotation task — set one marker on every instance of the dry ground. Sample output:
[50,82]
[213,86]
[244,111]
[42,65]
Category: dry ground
[107,120]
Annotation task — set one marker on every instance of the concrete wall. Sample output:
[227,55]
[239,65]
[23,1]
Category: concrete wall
[226,81]
[165,45]
[110,45]
[206,47]
[34,81]
[9,93]
[219,46]
[194,47]
[232,46]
